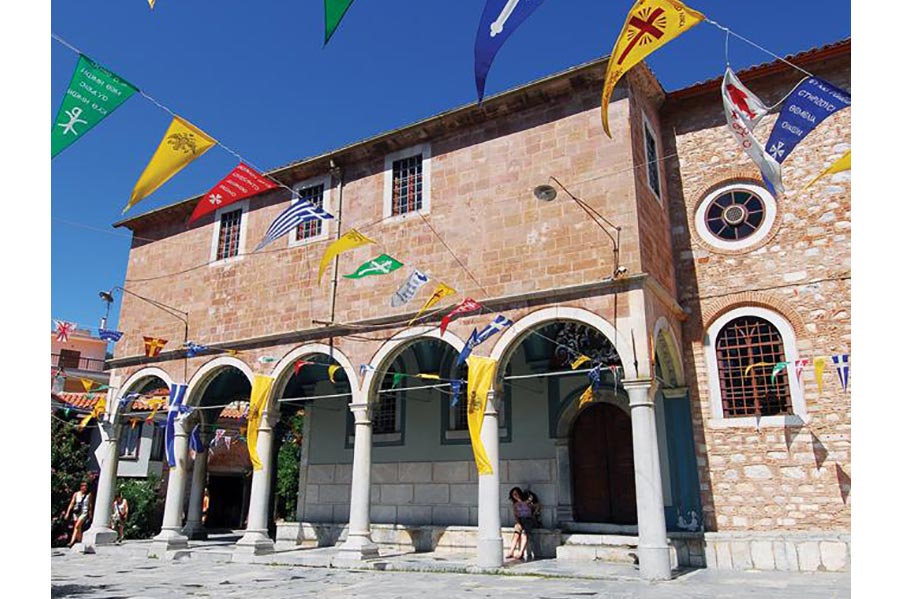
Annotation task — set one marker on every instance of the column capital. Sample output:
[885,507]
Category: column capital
[638,384]
[675,392]
[361,412]
[491,401]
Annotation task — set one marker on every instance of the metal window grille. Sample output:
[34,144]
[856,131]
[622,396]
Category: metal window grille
[741,343]
[229,234]
[314,195]
[459,412]
[651,159]
[735,215]
[385,414]
[407,185]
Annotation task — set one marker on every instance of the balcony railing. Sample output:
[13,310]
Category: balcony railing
[76,364]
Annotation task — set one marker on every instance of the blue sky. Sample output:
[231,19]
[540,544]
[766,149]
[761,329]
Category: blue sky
[256,77]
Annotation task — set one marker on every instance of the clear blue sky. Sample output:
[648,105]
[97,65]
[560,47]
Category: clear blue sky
[255,76]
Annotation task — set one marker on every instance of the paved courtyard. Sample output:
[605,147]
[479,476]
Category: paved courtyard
[124,572]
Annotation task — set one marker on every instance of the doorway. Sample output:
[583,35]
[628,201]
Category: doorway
[227,499]
[601,462]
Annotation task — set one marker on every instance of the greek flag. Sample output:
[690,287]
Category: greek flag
[192,349]
[176,397]
[299,212]
[195,443]
[841,362]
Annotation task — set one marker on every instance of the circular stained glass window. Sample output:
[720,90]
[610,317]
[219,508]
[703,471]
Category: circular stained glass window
[736,216]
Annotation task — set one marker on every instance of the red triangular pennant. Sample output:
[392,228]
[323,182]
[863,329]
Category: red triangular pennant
[242,182]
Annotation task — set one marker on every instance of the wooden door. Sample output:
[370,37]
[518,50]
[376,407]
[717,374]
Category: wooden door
[601,464]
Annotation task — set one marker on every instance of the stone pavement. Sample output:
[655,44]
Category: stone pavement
[124,572]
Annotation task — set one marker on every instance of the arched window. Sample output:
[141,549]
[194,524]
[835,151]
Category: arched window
[750,353]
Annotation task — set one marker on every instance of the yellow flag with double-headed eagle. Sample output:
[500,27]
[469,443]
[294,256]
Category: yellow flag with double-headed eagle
[182,143]
[479,380]
[259,394]
[649,25]
[348,241]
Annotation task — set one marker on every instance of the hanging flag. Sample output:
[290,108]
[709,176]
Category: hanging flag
[126,399]
[468,347]
[382,265]
[63,330]
[595,377]
[335,10]
[109,335]
[348,241]
[232,352]
[843,163]
[181,144]
[300,364]
[841,362]
[441,292]
[242,182]
[455,391]
[227,439]
[176,397]
[154,405]
[195,443]
[744,110]
[259,393]
[778,368]
[96,412]
[396,379]
[500,18]
[430,377]
[810,103]
[87,384]
[298,212]
[500,322]
[218,435]
[332,370]
[192,349]
[756,365]
[266,359]
[153,346]
[579,362]
[151,2]
[479,381]
[587,396]
[615,372]
[93,93]
[468,305]
[364,368]
[649,25]
[820,363]
[800,365]
[409,288]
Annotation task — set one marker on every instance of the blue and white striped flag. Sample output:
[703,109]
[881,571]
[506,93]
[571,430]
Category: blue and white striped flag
[109,335]
[299,212]
[493,327]
[176,397]
[841,362]
[195,443]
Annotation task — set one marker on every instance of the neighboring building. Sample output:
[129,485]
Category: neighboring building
[738,470]
[82,356]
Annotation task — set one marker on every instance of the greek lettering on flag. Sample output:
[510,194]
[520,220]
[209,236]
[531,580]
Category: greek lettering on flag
[810,104]
[841,362]
[109,335]
[299,212]
[409,289]
[176,397]
[744,110]
[500,18]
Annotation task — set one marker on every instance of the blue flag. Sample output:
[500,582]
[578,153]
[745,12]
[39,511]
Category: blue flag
[841,362]
[124,401]
[297,213]
[192,349]
[468,347]
[176,397]
[595,377]
[109,335]
[500,19]
[493,327]
[812,101]
[455,391]
[194,441]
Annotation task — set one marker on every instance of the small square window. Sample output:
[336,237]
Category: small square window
[385,414]
[68,358]
[314,195]
[229,234]
[407,185]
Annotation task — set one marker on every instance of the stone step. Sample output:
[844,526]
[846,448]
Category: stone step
[620,551]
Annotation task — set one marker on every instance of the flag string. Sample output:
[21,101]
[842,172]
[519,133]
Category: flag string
[751,43]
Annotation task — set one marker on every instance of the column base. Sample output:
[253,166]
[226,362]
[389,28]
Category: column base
[82,548]
[357,548]
[99,535]
[654,562]
[168,540]
[195,531]
[490,553]
[253,543]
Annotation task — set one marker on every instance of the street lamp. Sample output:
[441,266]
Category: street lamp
[107,297]
[548,193]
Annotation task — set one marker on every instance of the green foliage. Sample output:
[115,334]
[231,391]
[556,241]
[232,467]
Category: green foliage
[145,506]
[287,463]
[69,452]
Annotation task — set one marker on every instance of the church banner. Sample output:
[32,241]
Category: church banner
[259,394]
[93,94]
[468,305]
[479,382]
[441,292]
[381,265]
[348,241]
[409,288]
[242,182]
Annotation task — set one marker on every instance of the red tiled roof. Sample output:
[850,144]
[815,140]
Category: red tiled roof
[79,401]
[87,401]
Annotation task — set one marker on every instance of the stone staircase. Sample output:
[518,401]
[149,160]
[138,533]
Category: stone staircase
[609,548]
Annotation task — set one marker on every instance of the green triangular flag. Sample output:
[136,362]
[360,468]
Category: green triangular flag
[335,10]
[382,265]
[93,93]
[396,379]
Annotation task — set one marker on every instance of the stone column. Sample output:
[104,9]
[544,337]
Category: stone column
[256,540]
[100,532]
[171,537]
[654,553]
[194,527]
[489,545]
[564,492]
[359,545]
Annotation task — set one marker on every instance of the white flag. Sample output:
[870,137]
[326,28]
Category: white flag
[744,110]
[410,287]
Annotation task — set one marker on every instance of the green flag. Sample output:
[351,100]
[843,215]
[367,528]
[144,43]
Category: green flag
[93,93]
[335,10]
[382,265]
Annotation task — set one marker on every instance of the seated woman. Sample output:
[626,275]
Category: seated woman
[523,523]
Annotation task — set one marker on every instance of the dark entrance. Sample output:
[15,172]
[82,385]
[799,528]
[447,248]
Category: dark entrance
[601,463]
[226,502]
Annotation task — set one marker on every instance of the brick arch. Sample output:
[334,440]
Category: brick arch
[716,307]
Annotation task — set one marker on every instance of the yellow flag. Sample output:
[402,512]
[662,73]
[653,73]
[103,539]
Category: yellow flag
[96,412]
[154,405]
[87,384]
[480,379]
[649,25]
[182,143]
[820,362]
[151,2]
[332,370]
[440,293]
[843,163]
[431,377]
[579,362]
[586,397]
[348,241]
[756,365]
[259,394]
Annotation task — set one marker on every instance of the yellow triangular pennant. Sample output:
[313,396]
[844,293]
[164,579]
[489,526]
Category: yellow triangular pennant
[87,384]
[843,163]
[586,397]
[756,365]
[182,143]
[820,362]
[332,370]
[348,241]
[441,291]
[579,362]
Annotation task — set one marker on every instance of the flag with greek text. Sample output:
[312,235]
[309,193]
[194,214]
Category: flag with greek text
[109,335]
[382,265]
[808,106]
[744,110]
[468,305]
[243,182]
[176,399]
[841,362]
[300,211]
[93,94]
[500,18]
[409,288]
